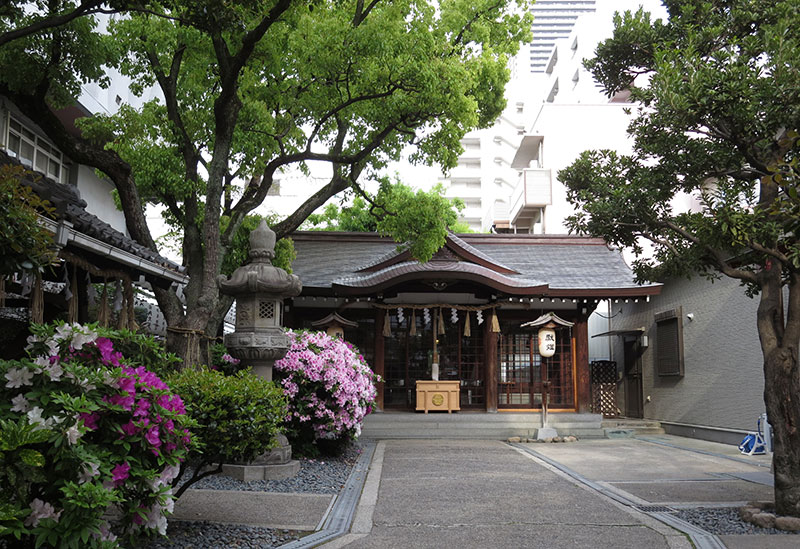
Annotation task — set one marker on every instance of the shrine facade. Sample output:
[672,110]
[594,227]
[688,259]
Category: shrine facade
[460,316]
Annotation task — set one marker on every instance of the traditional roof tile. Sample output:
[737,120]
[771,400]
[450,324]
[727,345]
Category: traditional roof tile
[563,265]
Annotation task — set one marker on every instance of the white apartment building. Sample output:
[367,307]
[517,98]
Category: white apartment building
[509,182]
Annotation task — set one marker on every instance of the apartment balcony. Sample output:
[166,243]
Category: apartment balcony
[532,193]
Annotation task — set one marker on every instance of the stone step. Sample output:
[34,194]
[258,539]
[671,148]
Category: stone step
[635,426]
[477,426]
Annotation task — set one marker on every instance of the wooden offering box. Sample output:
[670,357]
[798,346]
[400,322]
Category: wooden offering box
[438,395]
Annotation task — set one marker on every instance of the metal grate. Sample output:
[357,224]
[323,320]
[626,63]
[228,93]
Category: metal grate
[266,309]
[655,509]
[604,387]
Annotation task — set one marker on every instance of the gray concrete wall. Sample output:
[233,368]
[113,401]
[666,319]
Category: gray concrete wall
[723,382]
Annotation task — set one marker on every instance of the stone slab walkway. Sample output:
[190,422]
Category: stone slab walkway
[478,494]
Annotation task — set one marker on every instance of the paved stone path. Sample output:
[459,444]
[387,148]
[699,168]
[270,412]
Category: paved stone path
[465,494]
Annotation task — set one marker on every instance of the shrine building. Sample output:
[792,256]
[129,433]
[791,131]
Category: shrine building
[473,312]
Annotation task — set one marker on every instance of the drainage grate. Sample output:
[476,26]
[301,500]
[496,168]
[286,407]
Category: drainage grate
[654,509]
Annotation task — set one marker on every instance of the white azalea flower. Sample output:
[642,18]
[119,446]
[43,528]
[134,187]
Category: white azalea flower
[41,510]
[17,377]
[41,362]
[88,472]
[20,403]
[63,332]
[54,371]
[73,434]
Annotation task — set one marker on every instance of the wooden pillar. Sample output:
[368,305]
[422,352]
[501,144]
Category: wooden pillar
[490,354]
[378,364]
[582,379]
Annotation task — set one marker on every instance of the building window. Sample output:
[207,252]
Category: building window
[35,152]
[669,343]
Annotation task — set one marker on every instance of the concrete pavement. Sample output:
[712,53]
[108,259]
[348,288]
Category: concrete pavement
[478,494]
[453,493]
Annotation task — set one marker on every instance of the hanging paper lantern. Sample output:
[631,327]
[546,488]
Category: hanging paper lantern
[547,341]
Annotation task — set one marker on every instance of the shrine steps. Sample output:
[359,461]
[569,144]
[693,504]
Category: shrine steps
[477,425]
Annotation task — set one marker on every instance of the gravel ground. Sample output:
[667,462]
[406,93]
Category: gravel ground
[317,476]
[209,535]
[723,521]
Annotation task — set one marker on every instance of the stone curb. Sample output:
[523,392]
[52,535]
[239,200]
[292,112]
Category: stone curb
[340,514]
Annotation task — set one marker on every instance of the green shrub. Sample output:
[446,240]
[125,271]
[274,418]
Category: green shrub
[143,350]
[237,417]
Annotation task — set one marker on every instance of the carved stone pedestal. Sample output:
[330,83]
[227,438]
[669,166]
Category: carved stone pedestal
[277,464]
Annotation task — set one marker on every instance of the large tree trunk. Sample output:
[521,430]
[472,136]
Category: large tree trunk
[779,343]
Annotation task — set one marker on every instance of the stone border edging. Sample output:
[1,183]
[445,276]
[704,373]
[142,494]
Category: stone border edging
[699,537]
[340,515]
[698,451]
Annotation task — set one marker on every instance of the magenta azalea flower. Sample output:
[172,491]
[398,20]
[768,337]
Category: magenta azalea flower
[119,474]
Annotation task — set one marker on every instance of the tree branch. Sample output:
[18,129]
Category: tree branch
[87,7]
[715,254]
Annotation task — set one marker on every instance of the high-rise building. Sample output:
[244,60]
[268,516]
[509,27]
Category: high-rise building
[553,20]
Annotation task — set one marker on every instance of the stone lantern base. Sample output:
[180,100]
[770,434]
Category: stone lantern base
[277,464]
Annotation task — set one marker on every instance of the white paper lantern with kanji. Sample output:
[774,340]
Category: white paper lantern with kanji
[547,342]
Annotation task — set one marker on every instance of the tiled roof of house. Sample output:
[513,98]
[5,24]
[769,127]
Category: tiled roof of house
[553,265]
[69,206]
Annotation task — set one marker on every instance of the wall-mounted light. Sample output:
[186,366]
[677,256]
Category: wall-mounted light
[690,316]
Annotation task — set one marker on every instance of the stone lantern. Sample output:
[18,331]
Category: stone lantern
[259,289]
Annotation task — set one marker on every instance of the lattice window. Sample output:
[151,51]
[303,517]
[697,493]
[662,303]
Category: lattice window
[266,310]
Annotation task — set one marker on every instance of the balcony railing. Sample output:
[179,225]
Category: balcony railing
[533,191]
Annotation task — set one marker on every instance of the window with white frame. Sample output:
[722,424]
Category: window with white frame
[34,152]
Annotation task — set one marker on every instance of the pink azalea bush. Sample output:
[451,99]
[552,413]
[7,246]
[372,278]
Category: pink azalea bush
[329,386]
[89,433]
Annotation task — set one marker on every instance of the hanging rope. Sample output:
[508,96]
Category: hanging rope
[441,323]
[387,325]
[412,330]
[436,305]
[129,299]
[103,313]
[495,323]
[72,301]
[467,331]
[37,301]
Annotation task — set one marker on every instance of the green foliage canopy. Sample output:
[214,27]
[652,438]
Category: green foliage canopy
[250,88]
